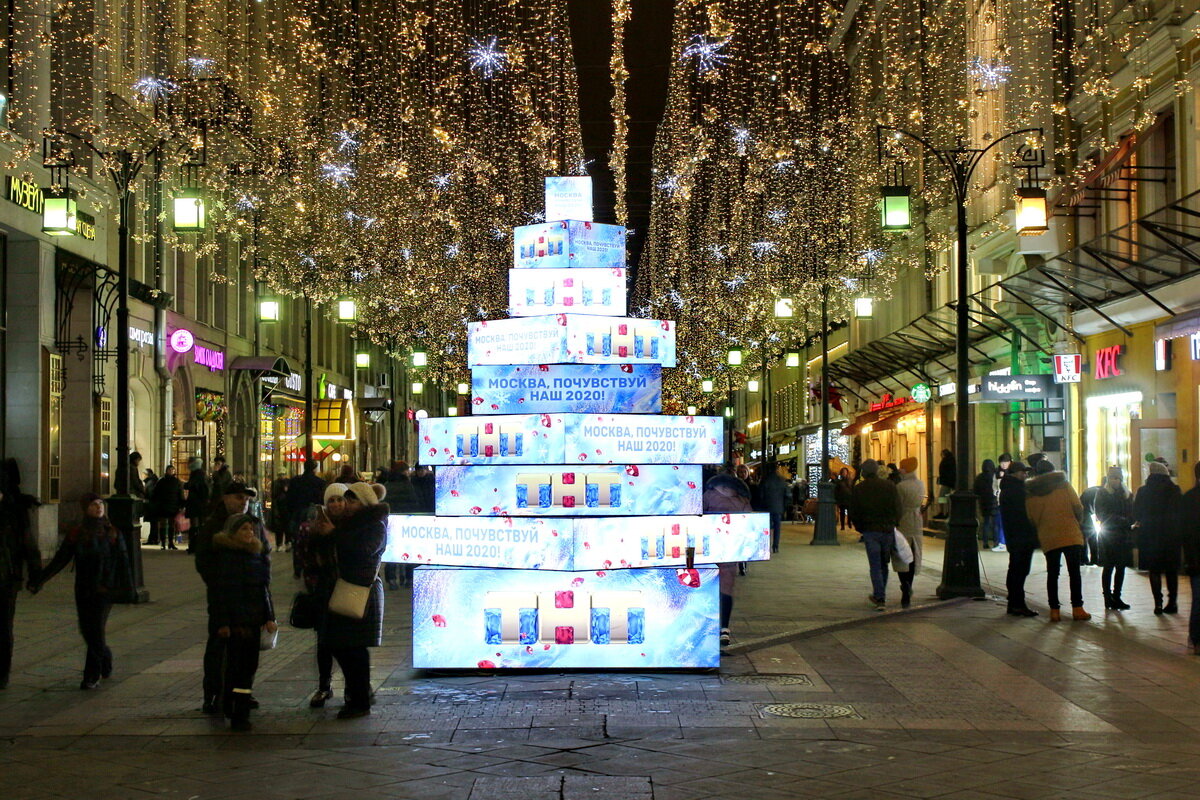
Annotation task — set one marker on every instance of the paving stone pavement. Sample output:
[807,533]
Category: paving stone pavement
[823,697]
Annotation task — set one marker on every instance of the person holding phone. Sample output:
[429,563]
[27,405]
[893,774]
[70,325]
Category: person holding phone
[314,551]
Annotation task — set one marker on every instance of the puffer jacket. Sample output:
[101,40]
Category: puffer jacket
[1055,510]
[1019,531]
[1156,509]
[241,584]
[360,541]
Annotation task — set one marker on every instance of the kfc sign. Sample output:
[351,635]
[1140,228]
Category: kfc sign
[1068,368]
[1107,364]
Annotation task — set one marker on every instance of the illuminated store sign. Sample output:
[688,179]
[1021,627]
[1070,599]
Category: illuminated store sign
[888,401]
[569,197]
[1068,368]
[570,543]
[546,387]
[567,438]
[569,243]
[1019,387]
[572,339]
[550,291]
[505,619]
[26,194]
[1162,355]
[139,336]
[293,381]
[181,341]
[1108,362]
[618,490]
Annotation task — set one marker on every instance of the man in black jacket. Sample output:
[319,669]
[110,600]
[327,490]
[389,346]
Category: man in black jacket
[875,509]
[1020,534]
[18,548]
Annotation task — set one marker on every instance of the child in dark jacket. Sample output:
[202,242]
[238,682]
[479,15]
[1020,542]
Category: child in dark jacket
[242,608]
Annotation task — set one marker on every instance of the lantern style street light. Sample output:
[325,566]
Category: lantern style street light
[418,387]
[792,358]
[189,216]
[896,208]
[734,357]
[60,213]
[419,358]
[706,386]
[1031,210]
[752,385]
[864,307]
[464,388]
[268,309]
[347,309]
[785,308]
[362,360]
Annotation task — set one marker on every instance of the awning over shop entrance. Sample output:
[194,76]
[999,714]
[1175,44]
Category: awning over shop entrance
[275,366]
[877,419]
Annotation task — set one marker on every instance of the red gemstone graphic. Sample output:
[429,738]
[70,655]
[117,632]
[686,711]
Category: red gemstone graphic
[564,634]
[564,599]
[439,621]
[688,577]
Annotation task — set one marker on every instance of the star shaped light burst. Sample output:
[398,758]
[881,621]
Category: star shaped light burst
[151,90]
[486,57]
[340,174]
[346,142]
[706,51]
[990,74]
[199,66]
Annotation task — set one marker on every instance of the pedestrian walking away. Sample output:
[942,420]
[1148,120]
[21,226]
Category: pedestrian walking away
[242,609]
[912,525]
[1156,530]
[989,507]
[402,498]
[875,510]
[97,551]
[1021,536]
[1189,532]
[197,503]
[359,544]
[726,494]
[166,501]
[773,498]
[1113,507]
[1055,511]
[20,559]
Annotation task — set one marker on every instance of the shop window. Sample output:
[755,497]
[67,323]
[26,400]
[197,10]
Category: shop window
[104,443]
[52,436]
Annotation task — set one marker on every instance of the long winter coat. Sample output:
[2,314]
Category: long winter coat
[985,488]
[1114,510]
[241,584]
[1054,509]
[1189,529]
[18,545]
[1019,531]
[1155,509]
[359,545]
[167,498]
[912,524]
[198,495]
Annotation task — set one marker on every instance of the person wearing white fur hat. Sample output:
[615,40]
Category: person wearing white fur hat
[359,539]
[316,564]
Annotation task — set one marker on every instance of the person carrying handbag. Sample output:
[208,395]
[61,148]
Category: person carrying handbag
[354,622]
[315,557]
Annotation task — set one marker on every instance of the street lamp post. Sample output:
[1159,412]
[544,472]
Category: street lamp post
[960,570]
[825,530]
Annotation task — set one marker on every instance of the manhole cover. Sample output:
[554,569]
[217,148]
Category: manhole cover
[772,680]
[810,711]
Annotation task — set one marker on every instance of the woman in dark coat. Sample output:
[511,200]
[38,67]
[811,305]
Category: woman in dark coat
[359,542]
[1154,510]
[18,551]
[101,572]
[947,479]
[165,502]
[241,609]
[1113,506]
[196,507]
[1189,525]
[843,484]
[314,557]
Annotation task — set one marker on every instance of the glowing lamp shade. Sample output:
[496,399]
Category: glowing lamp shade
[59,214]
[419,358]
[706,386]
[734,357]
[268,310]
[418,387]
[452,411]
[729,411]
[752,385]
[464,388]
[864,307]
[895,208]
[347,310]
[1031,211]
[785,308]
[691,411]
[189,211]
[362,360]
[792,359]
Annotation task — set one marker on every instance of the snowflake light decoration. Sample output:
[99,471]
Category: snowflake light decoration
[486,57]
[669,185]
[735,282]
[247,202]
[153,90]
[990,74]
[777,215]
[199,66]
[339,174]
[499,234]
[452,250]
[584,163]
[783,166]
[762,248]
[441,181]
[536,216]
[706,51]
[741,138]
[718,251]
[346,143]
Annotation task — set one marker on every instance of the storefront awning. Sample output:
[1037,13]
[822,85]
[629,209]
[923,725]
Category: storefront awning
[889,423]
[879,417]
[276,366]
[1183,325]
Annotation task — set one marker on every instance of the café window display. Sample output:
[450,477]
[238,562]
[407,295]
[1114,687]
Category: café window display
[1110,421]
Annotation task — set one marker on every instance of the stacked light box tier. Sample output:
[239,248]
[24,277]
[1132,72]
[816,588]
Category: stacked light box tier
[566,504]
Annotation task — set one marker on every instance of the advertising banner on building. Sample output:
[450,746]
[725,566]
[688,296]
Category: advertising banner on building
[571,339]
[1018,387]
[566,438]
[510,619]
[568,543]
[542,490]
[569,243]
[598,388]
[553,291]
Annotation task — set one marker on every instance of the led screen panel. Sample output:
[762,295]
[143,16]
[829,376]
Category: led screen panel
[569,244]
[552,291]
[540,490]
[522,619]
[571,339]
[566,543]
[568,197]
[502,439]
[592,388]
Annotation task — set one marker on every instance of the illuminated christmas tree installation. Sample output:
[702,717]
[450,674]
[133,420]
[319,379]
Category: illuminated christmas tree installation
[568,509]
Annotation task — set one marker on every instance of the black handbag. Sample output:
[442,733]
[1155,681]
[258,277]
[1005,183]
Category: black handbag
[306,611]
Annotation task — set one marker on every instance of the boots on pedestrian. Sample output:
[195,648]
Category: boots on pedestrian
[1055,615]
[1171,607]
[1078,613]
[1119,604]
[1108,602]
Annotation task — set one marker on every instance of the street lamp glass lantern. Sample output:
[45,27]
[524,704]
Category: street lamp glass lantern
[734,357]
[419,358]
[418,387]
[268,309]
[691,410]
[464,388]
[362,360]
[729,411]
[60,214]
[1032,217]
[896,208]
[792,359]
[785,308]
[864,307]
[752,385]
[706,386]
[189,210]
[347,309]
